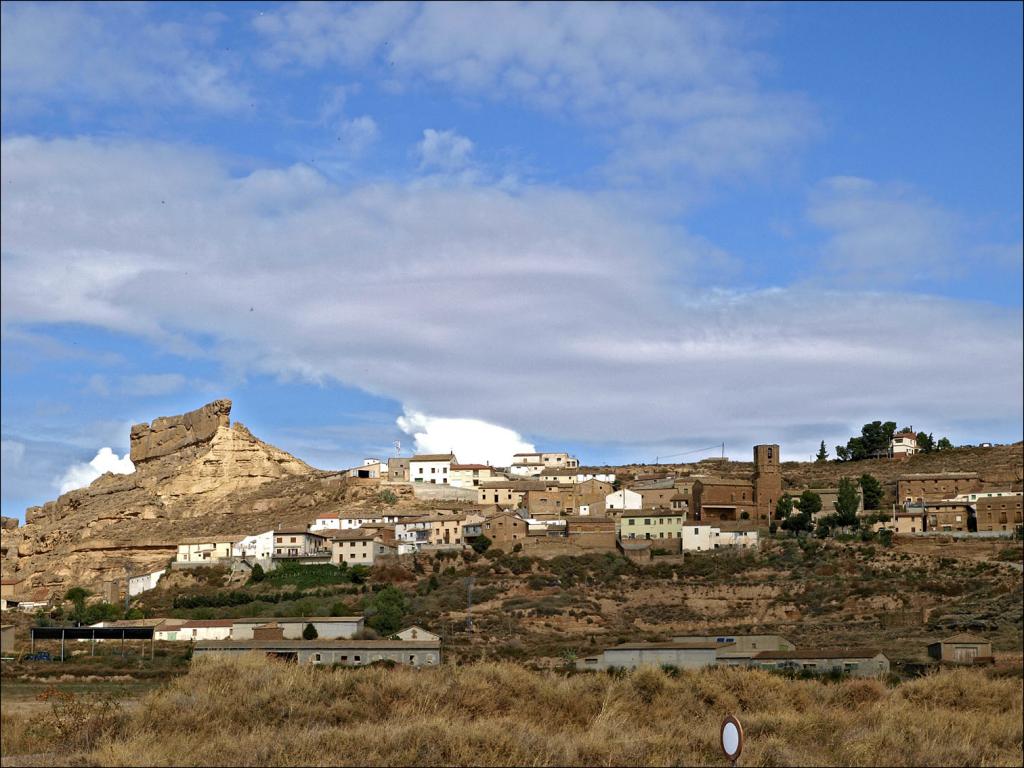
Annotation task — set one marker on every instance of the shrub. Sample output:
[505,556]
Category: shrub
[481,544]
[387,496]
[257,574]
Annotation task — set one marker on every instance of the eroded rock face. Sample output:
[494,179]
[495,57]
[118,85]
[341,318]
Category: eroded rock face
[169,434]
[195,474]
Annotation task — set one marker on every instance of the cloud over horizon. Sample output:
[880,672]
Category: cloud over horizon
[509,306]
[81,475]
[471,440]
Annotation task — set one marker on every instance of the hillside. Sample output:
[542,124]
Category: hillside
[198,474]
[195,474]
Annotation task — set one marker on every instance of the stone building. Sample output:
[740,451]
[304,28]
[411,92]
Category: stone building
[999,513]
[741,502]
[936,486]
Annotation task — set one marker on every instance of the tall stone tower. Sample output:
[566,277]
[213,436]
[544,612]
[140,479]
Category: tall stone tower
[767,480]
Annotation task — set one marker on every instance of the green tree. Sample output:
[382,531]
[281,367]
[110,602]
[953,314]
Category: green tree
[810,503]
[385,610]
[943,444]
[77,596]
[872,490]
[925,442]
[480,544]
[784,507]
[257,575]
[309,632]
[873,441]
[846,503]
[822,456]
[359,574]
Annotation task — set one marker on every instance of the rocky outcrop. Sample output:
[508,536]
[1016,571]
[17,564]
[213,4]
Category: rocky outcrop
[170,434]
[194,474]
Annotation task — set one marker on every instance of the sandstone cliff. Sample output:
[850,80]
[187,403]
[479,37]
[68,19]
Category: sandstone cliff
[195,474]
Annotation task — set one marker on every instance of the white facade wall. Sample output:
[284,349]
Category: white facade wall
[430,472]
[210,551]
[139,584]
[325,524]
[204,633]
[698,538]
[259,546]
[624,499]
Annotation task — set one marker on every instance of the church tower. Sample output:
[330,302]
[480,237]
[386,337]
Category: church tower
[767,481]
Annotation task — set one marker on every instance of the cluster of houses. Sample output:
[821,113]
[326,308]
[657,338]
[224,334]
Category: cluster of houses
[774,652]
[955,502]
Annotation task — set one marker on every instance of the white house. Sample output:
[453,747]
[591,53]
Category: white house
[259,546]
[208,549]
[702,538]
[352,521]
[903,444]
[139,584]
[433,468]
[205,629]
[326,521]
[624,499]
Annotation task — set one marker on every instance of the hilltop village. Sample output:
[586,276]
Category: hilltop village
[206,494]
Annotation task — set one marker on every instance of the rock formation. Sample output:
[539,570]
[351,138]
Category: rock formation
[195,474]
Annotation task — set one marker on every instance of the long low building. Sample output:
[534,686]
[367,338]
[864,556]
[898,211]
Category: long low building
[696,652]
[415,653]
[854,662]
[633,655]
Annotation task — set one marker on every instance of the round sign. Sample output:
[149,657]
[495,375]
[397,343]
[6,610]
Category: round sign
[732,738]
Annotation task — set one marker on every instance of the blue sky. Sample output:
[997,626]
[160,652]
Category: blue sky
[626,230]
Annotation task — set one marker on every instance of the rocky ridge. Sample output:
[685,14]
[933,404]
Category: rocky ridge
[195,474]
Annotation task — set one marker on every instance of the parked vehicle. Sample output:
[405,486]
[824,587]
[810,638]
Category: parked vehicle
[39,656]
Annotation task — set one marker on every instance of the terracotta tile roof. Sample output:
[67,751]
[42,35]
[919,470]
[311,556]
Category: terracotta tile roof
[433,457]
[473,466]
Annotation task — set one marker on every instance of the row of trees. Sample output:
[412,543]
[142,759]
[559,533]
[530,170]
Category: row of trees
[798,514]
[875,440]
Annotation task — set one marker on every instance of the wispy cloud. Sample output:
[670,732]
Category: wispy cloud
[675,86]
[884,234]
[596,325]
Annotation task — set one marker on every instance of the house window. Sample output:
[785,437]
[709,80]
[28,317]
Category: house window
[356,659]
[316,657]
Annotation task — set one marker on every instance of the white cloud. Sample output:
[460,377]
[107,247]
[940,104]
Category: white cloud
[443,150]
[883,234]
[676,85]
[105,460]
[70,56]
[153,384]
[357,134]
[545,310]
[471,440]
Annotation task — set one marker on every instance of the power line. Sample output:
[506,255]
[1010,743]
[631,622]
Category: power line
[657,459]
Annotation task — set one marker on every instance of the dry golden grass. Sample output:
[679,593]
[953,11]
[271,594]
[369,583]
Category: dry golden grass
[247,711]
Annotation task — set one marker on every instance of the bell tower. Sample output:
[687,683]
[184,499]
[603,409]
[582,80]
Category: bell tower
[767,480]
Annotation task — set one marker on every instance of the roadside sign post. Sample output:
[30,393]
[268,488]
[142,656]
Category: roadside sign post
[732,739]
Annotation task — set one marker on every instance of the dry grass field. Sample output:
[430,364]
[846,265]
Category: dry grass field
[247,711]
